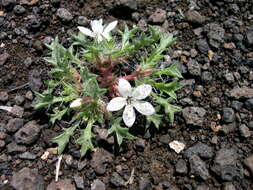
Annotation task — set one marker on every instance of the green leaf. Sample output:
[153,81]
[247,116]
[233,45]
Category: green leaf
[126,36]
[90,84]
[169,109]
[156,119]
[85,139]
[171,71]
[168,88]
[57,115]
[157,50]
[46,100]
[63,139]
[121,133]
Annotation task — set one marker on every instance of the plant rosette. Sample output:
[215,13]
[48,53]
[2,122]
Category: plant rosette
[90,83]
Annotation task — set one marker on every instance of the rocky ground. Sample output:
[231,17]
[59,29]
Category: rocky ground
[215,47]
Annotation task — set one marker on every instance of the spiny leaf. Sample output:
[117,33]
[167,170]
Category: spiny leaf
[85,139]
[171,71]
[126,36]
[90,84]
[169,109]
[121,133]
[63,139]
[57,115]
[156,119]
[46,100]
[168,88]
[156,54]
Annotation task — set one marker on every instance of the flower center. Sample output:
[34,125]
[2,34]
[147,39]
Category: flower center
[129,100]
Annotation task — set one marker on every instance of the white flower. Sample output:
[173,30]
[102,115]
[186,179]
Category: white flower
[131,98]
[76,103]
[98,30]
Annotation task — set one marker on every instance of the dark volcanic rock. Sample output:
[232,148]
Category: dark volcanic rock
[63,184]
[225,165]
[181,167]
[226,157]
[244,131]
[229,128]
[27,156]
[99,158]
[237,105]
[194,68]
[215,35]
[2,144]
[249,104]
[79,182]
[228,115]
[243,92]
[19,99]
[64,14]
[198,167]
[35,80]
[158,17]
[18,9]
[230,173]
[249,163]
[17,111]
[98,185]
[117,180]
[194,17]
[8,4]
[202,187]
[4,57]
[28,134]
[14,124]
[228,186]
[249,37]
[206,76]
[194,115]
[144,184]
[128,5]
[33,22]
[27,179]
[4,96]
[200,149]
[82,20]
[202,46]
[13,148]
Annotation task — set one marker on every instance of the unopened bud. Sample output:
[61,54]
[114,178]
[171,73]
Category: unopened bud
[76,103]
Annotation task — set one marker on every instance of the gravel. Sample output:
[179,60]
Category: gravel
[28,179]
[194,115]
[27,134]
[194,17]
[200,149]
[14,124]
[198,168]
[194,68]
[158,17]
[64,15]
[228,115]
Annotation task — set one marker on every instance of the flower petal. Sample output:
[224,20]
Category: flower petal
[99,37]
[129,115]
[145,108]
[86,31]
[124,88]
[116,104]
[109,28]
[97,26]
[142,91]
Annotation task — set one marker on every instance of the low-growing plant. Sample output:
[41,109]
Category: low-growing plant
[90,82]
